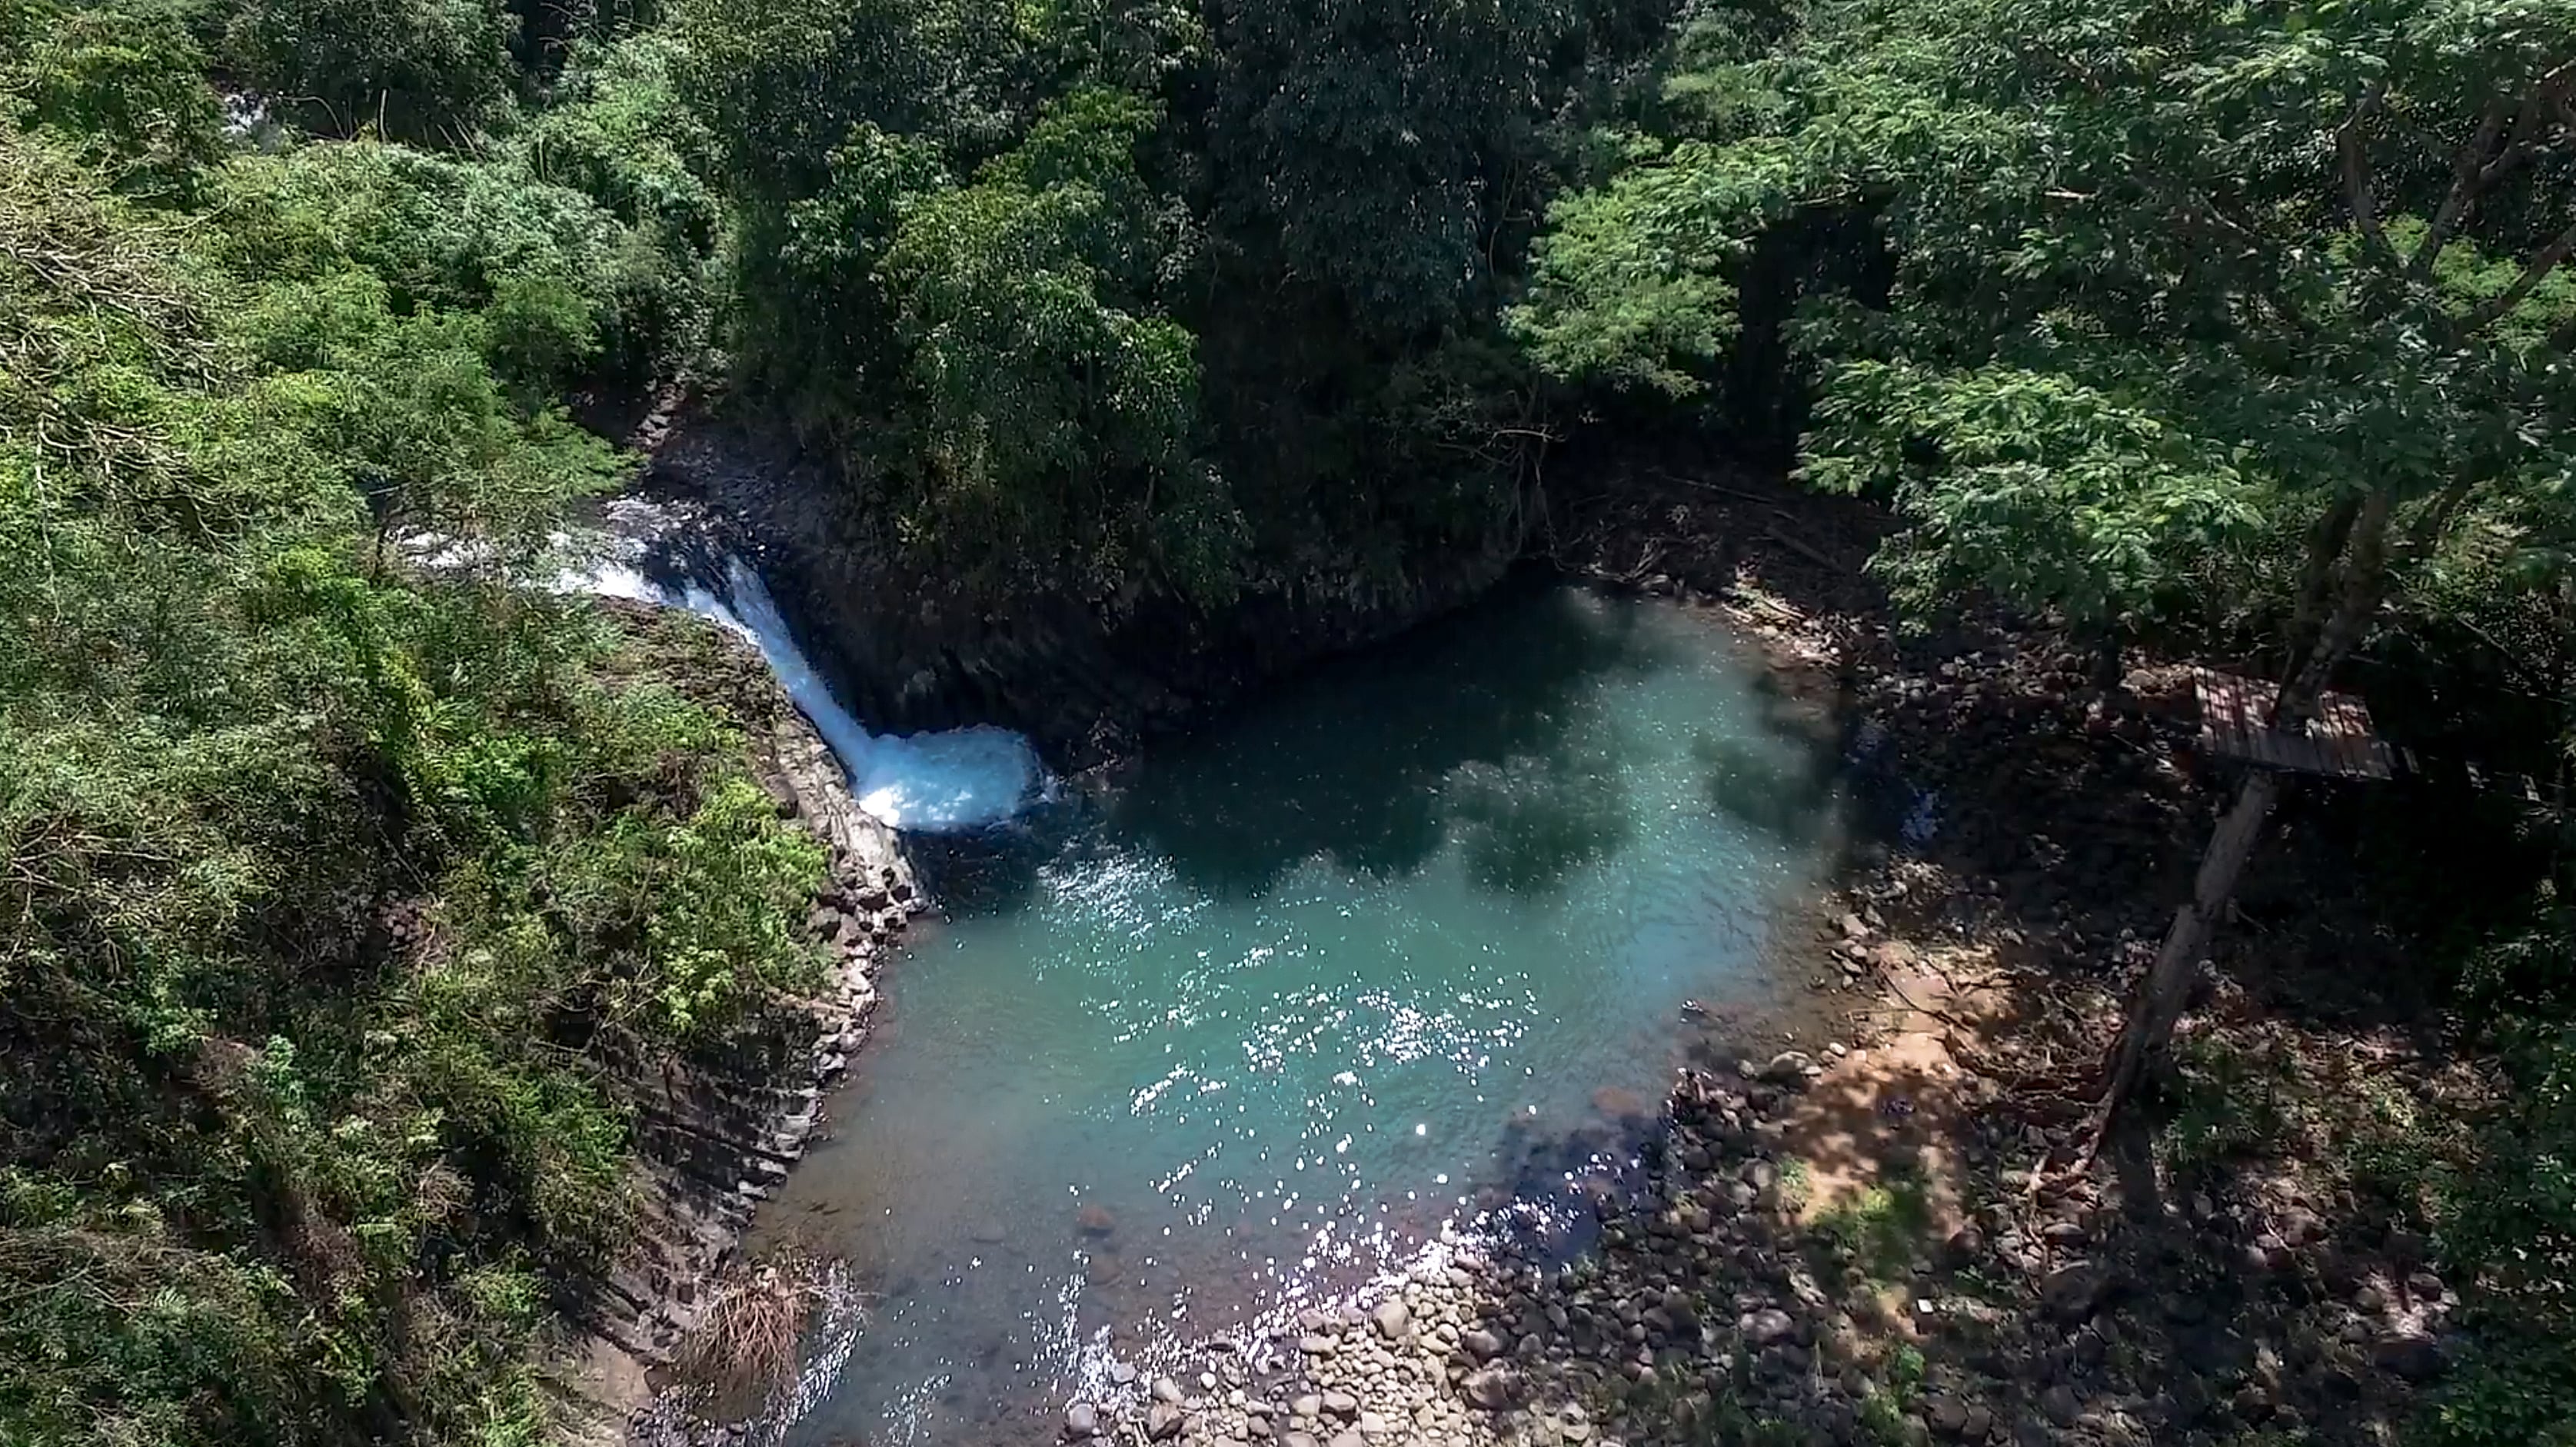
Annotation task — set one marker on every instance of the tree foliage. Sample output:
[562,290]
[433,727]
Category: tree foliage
[340,895]
[1251,334]
[1051,403]
[413,68]
[1368,150]
[2161,276]
[2242,322]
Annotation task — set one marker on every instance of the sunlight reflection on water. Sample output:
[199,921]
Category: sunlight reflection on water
[1260,1021]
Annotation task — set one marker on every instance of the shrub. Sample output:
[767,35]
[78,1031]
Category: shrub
[2513,1240]
[126,86]
[408,69]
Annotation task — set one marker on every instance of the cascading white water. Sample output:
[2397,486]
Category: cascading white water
[925,783]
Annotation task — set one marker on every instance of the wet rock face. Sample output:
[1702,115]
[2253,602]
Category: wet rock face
[716,1142]
[1085,679]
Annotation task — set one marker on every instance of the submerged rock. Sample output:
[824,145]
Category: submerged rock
[1624,1106]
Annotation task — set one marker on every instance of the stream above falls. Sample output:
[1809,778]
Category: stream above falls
[1398,945]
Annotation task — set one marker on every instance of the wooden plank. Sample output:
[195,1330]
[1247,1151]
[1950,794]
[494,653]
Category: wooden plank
[2236,722]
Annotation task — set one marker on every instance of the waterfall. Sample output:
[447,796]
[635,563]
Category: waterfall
[931,783]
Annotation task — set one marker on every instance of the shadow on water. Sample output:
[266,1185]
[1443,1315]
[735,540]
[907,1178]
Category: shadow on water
[1474,725]
[1525,825]
[1473,729]
[1782,793]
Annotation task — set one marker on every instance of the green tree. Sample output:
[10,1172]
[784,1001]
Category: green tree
[2161,276]
[126,87]
[273,1167]
[1375,148]
[1271,341]
[1051,406]
[414,69]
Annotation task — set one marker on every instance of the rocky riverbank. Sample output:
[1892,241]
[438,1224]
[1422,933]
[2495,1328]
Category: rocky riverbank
[1877,1241]
[716,1141]
[1932,1293]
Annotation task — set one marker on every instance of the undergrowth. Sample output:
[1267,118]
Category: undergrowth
[2509,1233]
[2491,1182]
[343,901]
[2223,1102]
[1880,1231]
[1883,1410]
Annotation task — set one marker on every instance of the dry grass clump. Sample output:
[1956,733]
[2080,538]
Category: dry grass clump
[754,1324]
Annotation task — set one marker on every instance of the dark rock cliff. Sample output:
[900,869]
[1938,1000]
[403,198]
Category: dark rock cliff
[909,652]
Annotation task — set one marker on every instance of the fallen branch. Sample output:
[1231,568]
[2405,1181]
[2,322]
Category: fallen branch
[1721,489]
[1805,550]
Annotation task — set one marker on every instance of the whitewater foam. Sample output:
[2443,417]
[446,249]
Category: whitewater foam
[931,783]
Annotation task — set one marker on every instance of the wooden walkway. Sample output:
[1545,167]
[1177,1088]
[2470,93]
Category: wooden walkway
[2236,723]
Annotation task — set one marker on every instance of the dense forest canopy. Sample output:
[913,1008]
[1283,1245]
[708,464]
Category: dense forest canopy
[2235,330]
[1120,295]
[264,1176]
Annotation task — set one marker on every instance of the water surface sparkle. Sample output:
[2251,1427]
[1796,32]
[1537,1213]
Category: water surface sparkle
[1258,1020]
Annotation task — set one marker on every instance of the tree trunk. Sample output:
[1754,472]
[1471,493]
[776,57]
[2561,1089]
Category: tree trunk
[2159,1005]
[2110,666]
[2153,1015]
[2316,579]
